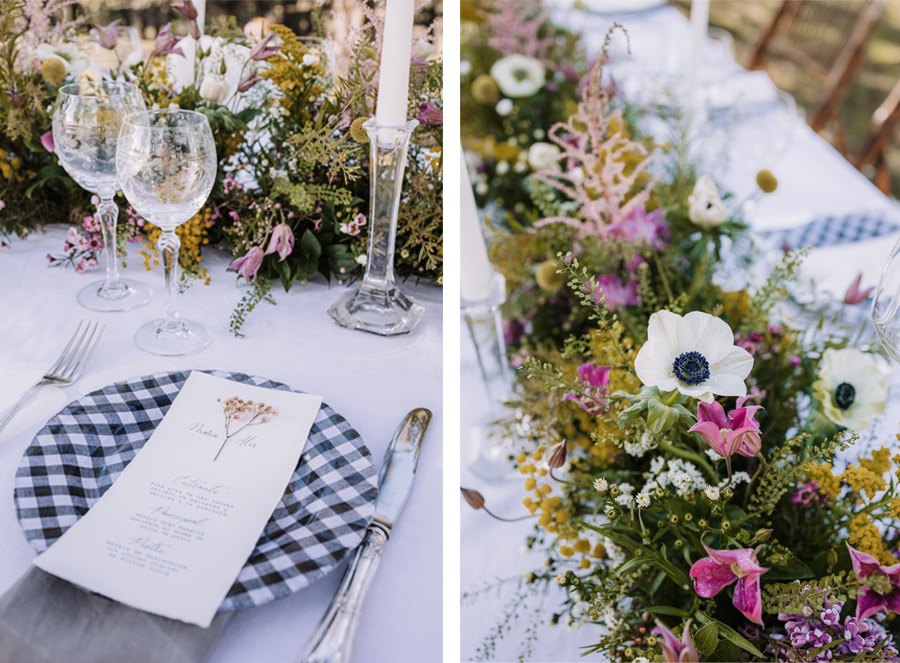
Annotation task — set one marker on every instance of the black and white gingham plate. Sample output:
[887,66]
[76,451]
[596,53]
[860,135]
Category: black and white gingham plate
[80,452]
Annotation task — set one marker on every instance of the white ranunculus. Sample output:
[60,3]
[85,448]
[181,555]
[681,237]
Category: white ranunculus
[214,89]
[69,54]
[851,388]
[542,156]
[504,107]
[519,75]
[705,206]
[694,354]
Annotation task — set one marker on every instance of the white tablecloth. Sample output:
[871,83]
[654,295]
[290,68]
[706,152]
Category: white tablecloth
[372,381]
[813,179]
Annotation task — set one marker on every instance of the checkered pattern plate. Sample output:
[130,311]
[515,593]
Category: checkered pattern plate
[322,516]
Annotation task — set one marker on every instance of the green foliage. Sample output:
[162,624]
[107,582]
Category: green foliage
[260,292]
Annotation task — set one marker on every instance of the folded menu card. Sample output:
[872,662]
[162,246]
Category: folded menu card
[172,533]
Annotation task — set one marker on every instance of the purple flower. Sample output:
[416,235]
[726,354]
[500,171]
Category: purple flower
[642,227]
[188,10]
[675,650]
[263,51]
[166,43]
[591,397]
[247,266]
[513,331]
[723,567]
[107,36]
[617,294]
[47,141]
[248,81]
[869,602]
[282,241]
[806,494]
[430,114]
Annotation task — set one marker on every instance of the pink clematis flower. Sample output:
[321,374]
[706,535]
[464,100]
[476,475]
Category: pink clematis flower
[869,602]
[166,43]
[675,650]
[189,11]
[247,266]
[107,36]
[727,435]
[618,294]
[723,567]
[282,241]
[592,396]
[263,51]
[248,81]
[47,141]
[855,294]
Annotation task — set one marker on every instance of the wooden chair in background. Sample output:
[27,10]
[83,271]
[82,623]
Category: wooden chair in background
[874,149]
[827,39]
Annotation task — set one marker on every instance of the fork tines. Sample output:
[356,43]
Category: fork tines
[77,352]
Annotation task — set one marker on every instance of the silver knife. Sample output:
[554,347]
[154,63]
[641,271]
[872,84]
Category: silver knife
[332,641]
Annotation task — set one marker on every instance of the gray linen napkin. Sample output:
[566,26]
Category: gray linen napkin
[44,619]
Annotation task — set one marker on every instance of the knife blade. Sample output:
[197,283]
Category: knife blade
[332,641]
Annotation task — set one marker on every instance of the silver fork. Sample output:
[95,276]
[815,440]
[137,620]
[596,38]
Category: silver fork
[67,367]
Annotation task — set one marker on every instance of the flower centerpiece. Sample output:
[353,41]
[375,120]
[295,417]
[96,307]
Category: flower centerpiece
[519,74]
[692,462]
[292,193]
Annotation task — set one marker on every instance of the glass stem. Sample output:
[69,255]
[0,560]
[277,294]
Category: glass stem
[168,249]
[108,212]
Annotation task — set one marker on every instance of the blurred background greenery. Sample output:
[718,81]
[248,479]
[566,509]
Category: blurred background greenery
[746,20]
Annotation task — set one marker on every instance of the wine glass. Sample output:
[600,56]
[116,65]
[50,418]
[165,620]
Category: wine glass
[167,167]
[86,121]
[886,305]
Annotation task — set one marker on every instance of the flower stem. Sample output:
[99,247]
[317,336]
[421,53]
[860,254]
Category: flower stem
[505,520]
[689,455]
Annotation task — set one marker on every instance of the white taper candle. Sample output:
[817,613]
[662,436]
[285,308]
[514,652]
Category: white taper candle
[476,273]
[393,74]
[699,31]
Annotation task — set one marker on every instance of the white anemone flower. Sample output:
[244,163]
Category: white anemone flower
[519,75]
[694,354]
[705,206]
[851,388]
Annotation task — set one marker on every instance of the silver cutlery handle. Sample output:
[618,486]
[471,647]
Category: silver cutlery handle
[332,641]
[7,416]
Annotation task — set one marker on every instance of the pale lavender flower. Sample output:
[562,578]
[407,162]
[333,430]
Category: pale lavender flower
[263,51]
[282,241]
[106,35]
[247,266]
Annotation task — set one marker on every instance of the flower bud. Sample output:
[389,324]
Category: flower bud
[763,535]
[557,457]
[473,498]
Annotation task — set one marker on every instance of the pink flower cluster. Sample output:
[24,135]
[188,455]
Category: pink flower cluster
[592,394]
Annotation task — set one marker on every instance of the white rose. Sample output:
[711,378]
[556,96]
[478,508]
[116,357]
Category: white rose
[504,107]
[519,75]
[214,89]
[705,206]
[542,156]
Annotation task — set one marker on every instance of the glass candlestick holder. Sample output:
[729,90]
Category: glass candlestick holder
[378,305]
[492,445]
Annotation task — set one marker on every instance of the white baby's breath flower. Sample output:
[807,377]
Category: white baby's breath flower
[643,499]
[601,485]
[694,354]
[705,206]
[504,107]
[712,492]
[851,388]
[519,75]
[309,60]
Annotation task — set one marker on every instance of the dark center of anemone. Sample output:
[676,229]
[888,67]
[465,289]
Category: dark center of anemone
[844,395]
[691,368]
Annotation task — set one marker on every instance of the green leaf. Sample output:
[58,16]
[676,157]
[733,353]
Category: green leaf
[707,638]
[731,635]
[668,610]
[308,253]
[795,569]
